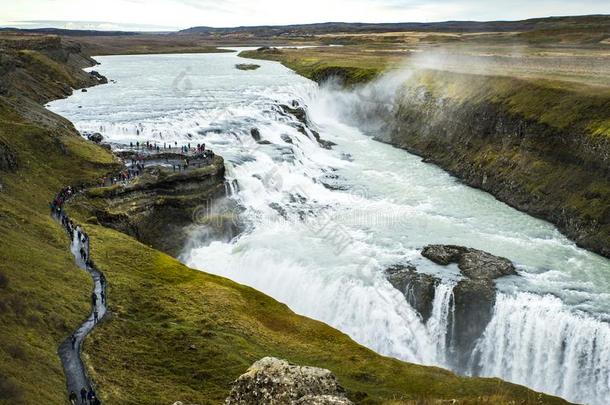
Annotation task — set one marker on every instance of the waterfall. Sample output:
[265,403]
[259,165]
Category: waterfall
[440,323]
[536,341]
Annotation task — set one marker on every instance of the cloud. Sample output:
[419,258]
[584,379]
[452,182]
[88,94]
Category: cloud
[159,14]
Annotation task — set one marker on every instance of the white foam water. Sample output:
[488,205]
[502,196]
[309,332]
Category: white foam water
[536,341]
[321,226]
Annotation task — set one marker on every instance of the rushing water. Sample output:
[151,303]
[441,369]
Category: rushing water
[322,225]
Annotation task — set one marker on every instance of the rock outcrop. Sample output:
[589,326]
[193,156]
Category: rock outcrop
[418,288]
[300,114]
[277,382]
[43,68]
[474,264]
[474,296]
[159,206]
[247,66]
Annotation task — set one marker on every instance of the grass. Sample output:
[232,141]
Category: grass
[352,68]
[44,295]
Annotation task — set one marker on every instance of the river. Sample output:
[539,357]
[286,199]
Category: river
[322,225]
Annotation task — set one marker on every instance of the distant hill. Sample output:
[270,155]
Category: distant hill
[66,32]
[589,22]
[600,23]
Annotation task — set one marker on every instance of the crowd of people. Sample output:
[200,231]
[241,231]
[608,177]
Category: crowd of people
[152,147]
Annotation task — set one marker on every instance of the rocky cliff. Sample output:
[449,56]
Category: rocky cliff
[540,147]
[158,208]
[43,68]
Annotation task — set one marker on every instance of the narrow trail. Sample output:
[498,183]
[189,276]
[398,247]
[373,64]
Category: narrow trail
[70,349]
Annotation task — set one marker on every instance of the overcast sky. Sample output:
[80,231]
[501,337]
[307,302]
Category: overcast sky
[149,15]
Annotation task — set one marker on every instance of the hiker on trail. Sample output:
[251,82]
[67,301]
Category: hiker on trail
[83,254]
[138,144]
[130,145]
[95,316]
[103,279]
[91,395]
[73,398]
[73,339]
[83,395]
[103,295]
[94,298]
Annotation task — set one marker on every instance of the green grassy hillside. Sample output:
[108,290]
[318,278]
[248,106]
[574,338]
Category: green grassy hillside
[43,296]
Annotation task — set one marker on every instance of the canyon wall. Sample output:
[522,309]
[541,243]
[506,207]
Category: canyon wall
[539,147]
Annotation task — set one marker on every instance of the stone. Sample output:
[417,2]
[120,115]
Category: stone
[473,263]
[247,66]
[99,77]
[474,296]
[96,137]
[418,288]
[276,382]
[322,400]
[256,134]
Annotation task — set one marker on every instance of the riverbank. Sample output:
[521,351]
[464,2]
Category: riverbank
[175,333]
[537,140]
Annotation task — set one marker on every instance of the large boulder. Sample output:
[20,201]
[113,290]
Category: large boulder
[95,137]
[276,382]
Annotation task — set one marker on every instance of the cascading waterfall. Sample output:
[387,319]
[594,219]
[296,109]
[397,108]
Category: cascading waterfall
[536,341]
[322,246]
[441,320]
